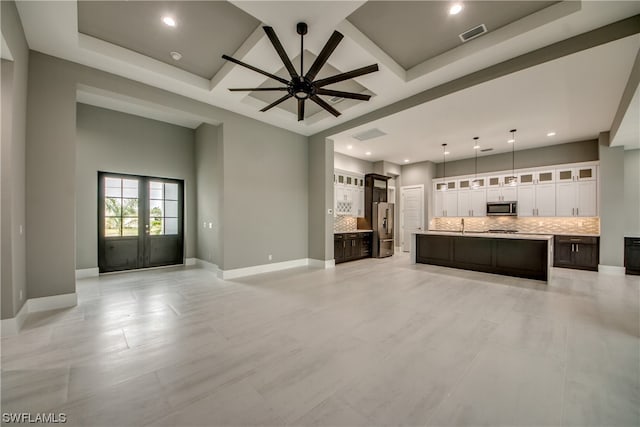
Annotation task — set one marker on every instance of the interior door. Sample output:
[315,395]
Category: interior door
[140,222]
[412,216]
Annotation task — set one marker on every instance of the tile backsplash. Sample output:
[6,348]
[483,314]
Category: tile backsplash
[581,225]
[344,224]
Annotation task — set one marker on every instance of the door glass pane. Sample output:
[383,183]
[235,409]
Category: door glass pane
[526,179]
[130,207]
[171,208]
[112,226]
[112,206]
[155,190]
[565,174]
[171,226]
[493,181]
[155,208]
[113,187]
[585,173]
[464,184]
[156,226]
[130,188]
[130,226]
[170,191]
[546,176]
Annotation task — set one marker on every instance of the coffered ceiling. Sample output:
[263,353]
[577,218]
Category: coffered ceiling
[414,43]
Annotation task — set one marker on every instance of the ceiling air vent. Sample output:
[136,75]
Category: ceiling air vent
[484,150]
[336,100]
[473,33]
[368,134]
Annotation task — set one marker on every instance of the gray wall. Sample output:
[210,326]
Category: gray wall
[209,175]
[111,141]
[573,152]
[13,254]
[632,193]
[612,215]
[351,164]
[265,175]
[320,198]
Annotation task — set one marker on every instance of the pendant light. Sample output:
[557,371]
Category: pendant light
[513,179]
[444,167]
[476,182]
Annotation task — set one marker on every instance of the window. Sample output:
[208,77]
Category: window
[163,208]
[121,207]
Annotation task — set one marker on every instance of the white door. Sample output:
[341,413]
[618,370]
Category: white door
[412,213]
[438,210]
[450,203]
[509,194]
[526,201]
[586,205]
[565,199]
[493,194]
[545,199]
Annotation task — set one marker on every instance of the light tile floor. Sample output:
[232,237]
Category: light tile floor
[372,342]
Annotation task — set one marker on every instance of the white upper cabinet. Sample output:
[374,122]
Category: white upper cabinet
[446,203]
[536,177]
[576,199]
[472,202]
[348,194]
[570,174]
[537,200]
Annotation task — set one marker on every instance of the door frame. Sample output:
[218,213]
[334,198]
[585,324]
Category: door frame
[402,190]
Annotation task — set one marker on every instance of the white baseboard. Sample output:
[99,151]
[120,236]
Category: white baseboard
[190,261]
[320,263]
[53,302]
[83,273]
[13,325]
[264,268]
[611,269]
[34,305]
[206,265]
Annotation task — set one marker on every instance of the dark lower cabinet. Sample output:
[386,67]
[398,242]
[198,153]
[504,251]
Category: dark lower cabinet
[632,255]
[512,257]
[578,252]
[351,246]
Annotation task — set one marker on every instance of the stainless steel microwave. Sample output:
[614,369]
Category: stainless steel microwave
[502,208]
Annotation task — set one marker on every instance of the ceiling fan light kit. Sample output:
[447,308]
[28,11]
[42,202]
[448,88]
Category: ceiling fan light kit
[303,86]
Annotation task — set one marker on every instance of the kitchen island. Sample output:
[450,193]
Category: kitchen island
[511,254]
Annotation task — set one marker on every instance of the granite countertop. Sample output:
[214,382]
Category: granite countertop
[519,236]
[353,231]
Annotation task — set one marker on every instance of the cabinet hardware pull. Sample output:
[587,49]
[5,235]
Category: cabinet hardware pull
[572,246]
[577,211]
[577,247]
[344,244]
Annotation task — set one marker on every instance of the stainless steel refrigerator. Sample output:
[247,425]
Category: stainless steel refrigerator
[382,223]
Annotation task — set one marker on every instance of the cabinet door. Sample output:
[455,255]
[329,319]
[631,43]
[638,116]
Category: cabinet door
[586,173]
[464,203]
[565,199]
[494,182]
[585,256]
[586,205]
[562,254]
[526,201]
[478,202]
[526,178]
[450,203]
[509,194]
[438,204]
[360,202]
[564,175]
[545,177]
[338,250]
[494,194]
[545,199]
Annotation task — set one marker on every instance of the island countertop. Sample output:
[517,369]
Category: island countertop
[518,236]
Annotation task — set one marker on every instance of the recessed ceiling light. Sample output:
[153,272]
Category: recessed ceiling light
[406,160]
[368,153]
[511,141]
[169,21]
[176,55]
[551,133]
[349,147]
[455,9]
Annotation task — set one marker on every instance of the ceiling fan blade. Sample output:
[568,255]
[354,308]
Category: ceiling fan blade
[278,101]
[327,50]
[300,109]
[323,104]
[257,89]
[342,94]
[281,52]
[346,76]
[257,70]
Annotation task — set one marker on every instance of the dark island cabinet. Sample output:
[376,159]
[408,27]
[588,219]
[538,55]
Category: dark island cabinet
[351,246]
[632,255]
[578,252]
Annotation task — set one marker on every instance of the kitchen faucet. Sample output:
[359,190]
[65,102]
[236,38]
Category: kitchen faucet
[462,224]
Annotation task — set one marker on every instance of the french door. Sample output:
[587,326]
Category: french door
[140,221]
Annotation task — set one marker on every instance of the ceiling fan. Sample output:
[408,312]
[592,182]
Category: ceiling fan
[303,86]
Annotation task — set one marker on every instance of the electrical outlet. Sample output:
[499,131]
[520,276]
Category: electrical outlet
[270,257]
